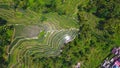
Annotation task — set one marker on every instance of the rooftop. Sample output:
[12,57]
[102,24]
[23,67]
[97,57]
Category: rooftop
[114,62]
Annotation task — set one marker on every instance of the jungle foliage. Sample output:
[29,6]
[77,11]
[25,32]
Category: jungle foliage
[99,30]
[5,40]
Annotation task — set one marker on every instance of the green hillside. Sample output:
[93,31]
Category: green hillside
[58,33]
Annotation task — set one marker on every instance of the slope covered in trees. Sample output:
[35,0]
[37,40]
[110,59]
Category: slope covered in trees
[99,29]
[5,40]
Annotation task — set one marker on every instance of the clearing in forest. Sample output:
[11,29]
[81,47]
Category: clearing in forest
[34,38]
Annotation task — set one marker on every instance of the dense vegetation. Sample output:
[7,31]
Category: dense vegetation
[5,40]
[99,29]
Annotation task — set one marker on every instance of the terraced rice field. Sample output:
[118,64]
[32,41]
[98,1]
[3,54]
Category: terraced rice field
[35,39]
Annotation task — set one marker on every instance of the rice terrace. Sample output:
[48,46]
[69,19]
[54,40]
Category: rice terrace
[37,38]
[59,33]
